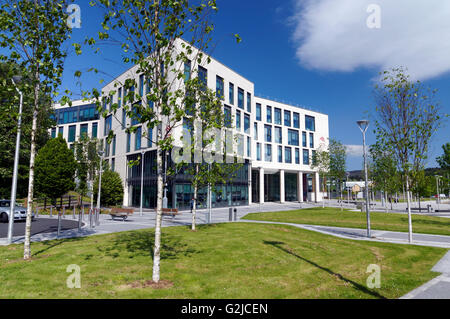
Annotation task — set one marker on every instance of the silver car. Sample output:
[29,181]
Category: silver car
[20,212]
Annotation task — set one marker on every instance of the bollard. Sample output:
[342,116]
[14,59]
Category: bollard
[235,214]
[230,214]
[80,217]
[51,211]
[59,224]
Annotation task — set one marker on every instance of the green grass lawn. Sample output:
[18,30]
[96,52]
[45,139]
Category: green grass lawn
[334,217]
[233,260]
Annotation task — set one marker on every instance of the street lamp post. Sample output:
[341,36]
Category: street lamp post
[363,125]
[15,80]
[100,153]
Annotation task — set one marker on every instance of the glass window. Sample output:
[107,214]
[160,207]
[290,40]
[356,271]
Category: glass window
[246,124]
[202,75]
[287,155]
[113,165]
[249,102]
[113,146]
[310,123]
[304,139]
[219,87]
[238,120]
[269,114]
[296,118]
[277,116]
[293,137]
[107,148]
[141,85]
[231,93]
[268,133]
[108,125]
[61,130]
[94,129]
[287,118]
[240,146]
[227,116]
[124,119]
[305,157]
[138,138]
[280,154]
[278,137]
[136,116]
[249,147]
[258,112]
[268,154]
[255,131]
[297,156]
[258,151]
[119,101]
[72,132]
[187,71]
[54,132]
[150,137]
[128,142]
[84,130]
[240,98]
[311,140]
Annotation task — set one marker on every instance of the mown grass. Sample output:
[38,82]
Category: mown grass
[334,217]
[233,260]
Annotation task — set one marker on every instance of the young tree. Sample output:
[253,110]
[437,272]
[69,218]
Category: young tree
[337,163]
[320,160]
[9,105]
[86,154]
[384,171]
[406,118]
[149,33]
[112,188]
[32,32]
[55,169]
[444,159]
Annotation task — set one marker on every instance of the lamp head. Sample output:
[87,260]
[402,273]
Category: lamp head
[363,124]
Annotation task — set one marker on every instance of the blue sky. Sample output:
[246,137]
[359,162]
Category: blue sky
[286,53]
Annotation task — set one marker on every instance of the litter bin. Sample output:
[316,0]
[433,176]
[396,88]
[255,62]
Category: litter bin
[235,214]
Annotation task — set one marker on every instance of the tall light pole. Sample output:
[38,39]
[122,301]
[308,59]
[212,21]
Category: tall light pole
[15,80]
[100,153]
[142,183]
[363,125]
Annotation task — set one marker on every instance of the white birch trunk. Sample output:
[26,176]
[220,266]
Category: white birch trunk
[409,210]
[26,247]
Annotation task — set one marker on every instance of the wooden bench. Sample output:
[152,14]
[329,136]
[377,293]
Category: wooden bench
[123,213]
[169,212]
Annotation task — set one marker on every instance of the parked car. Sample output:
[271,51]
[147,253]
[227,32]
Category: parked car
[440,196]
[20,212]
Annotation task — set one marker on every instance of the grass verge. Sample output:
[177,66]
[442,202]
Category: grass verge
[334,217]
[233,260]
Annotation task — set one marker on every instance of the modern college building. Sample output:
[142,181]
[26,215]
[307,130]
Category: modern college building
[278,141]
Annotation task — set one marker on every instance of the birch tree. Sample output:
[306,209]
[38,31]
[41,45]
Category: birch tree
[320,160]
[148,33]
[406,117]
[33,32]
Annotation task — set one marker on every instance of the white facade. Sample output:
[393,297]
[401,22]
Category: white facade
[124,145]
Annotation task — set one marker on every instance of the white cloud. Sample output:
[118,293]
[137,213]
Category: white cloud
[354,150]
[333,35]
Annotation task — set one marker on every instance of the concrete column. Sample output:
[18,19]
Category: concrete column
[282,195]
[300,187]
[261,185]
[316,188]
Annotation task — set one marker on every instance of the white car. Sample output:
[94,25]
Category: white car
[20,212]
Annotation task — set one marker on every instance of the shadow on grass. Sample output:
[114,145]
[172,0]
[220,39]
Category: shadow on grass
[141,243]
[54,243]
[360,287]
